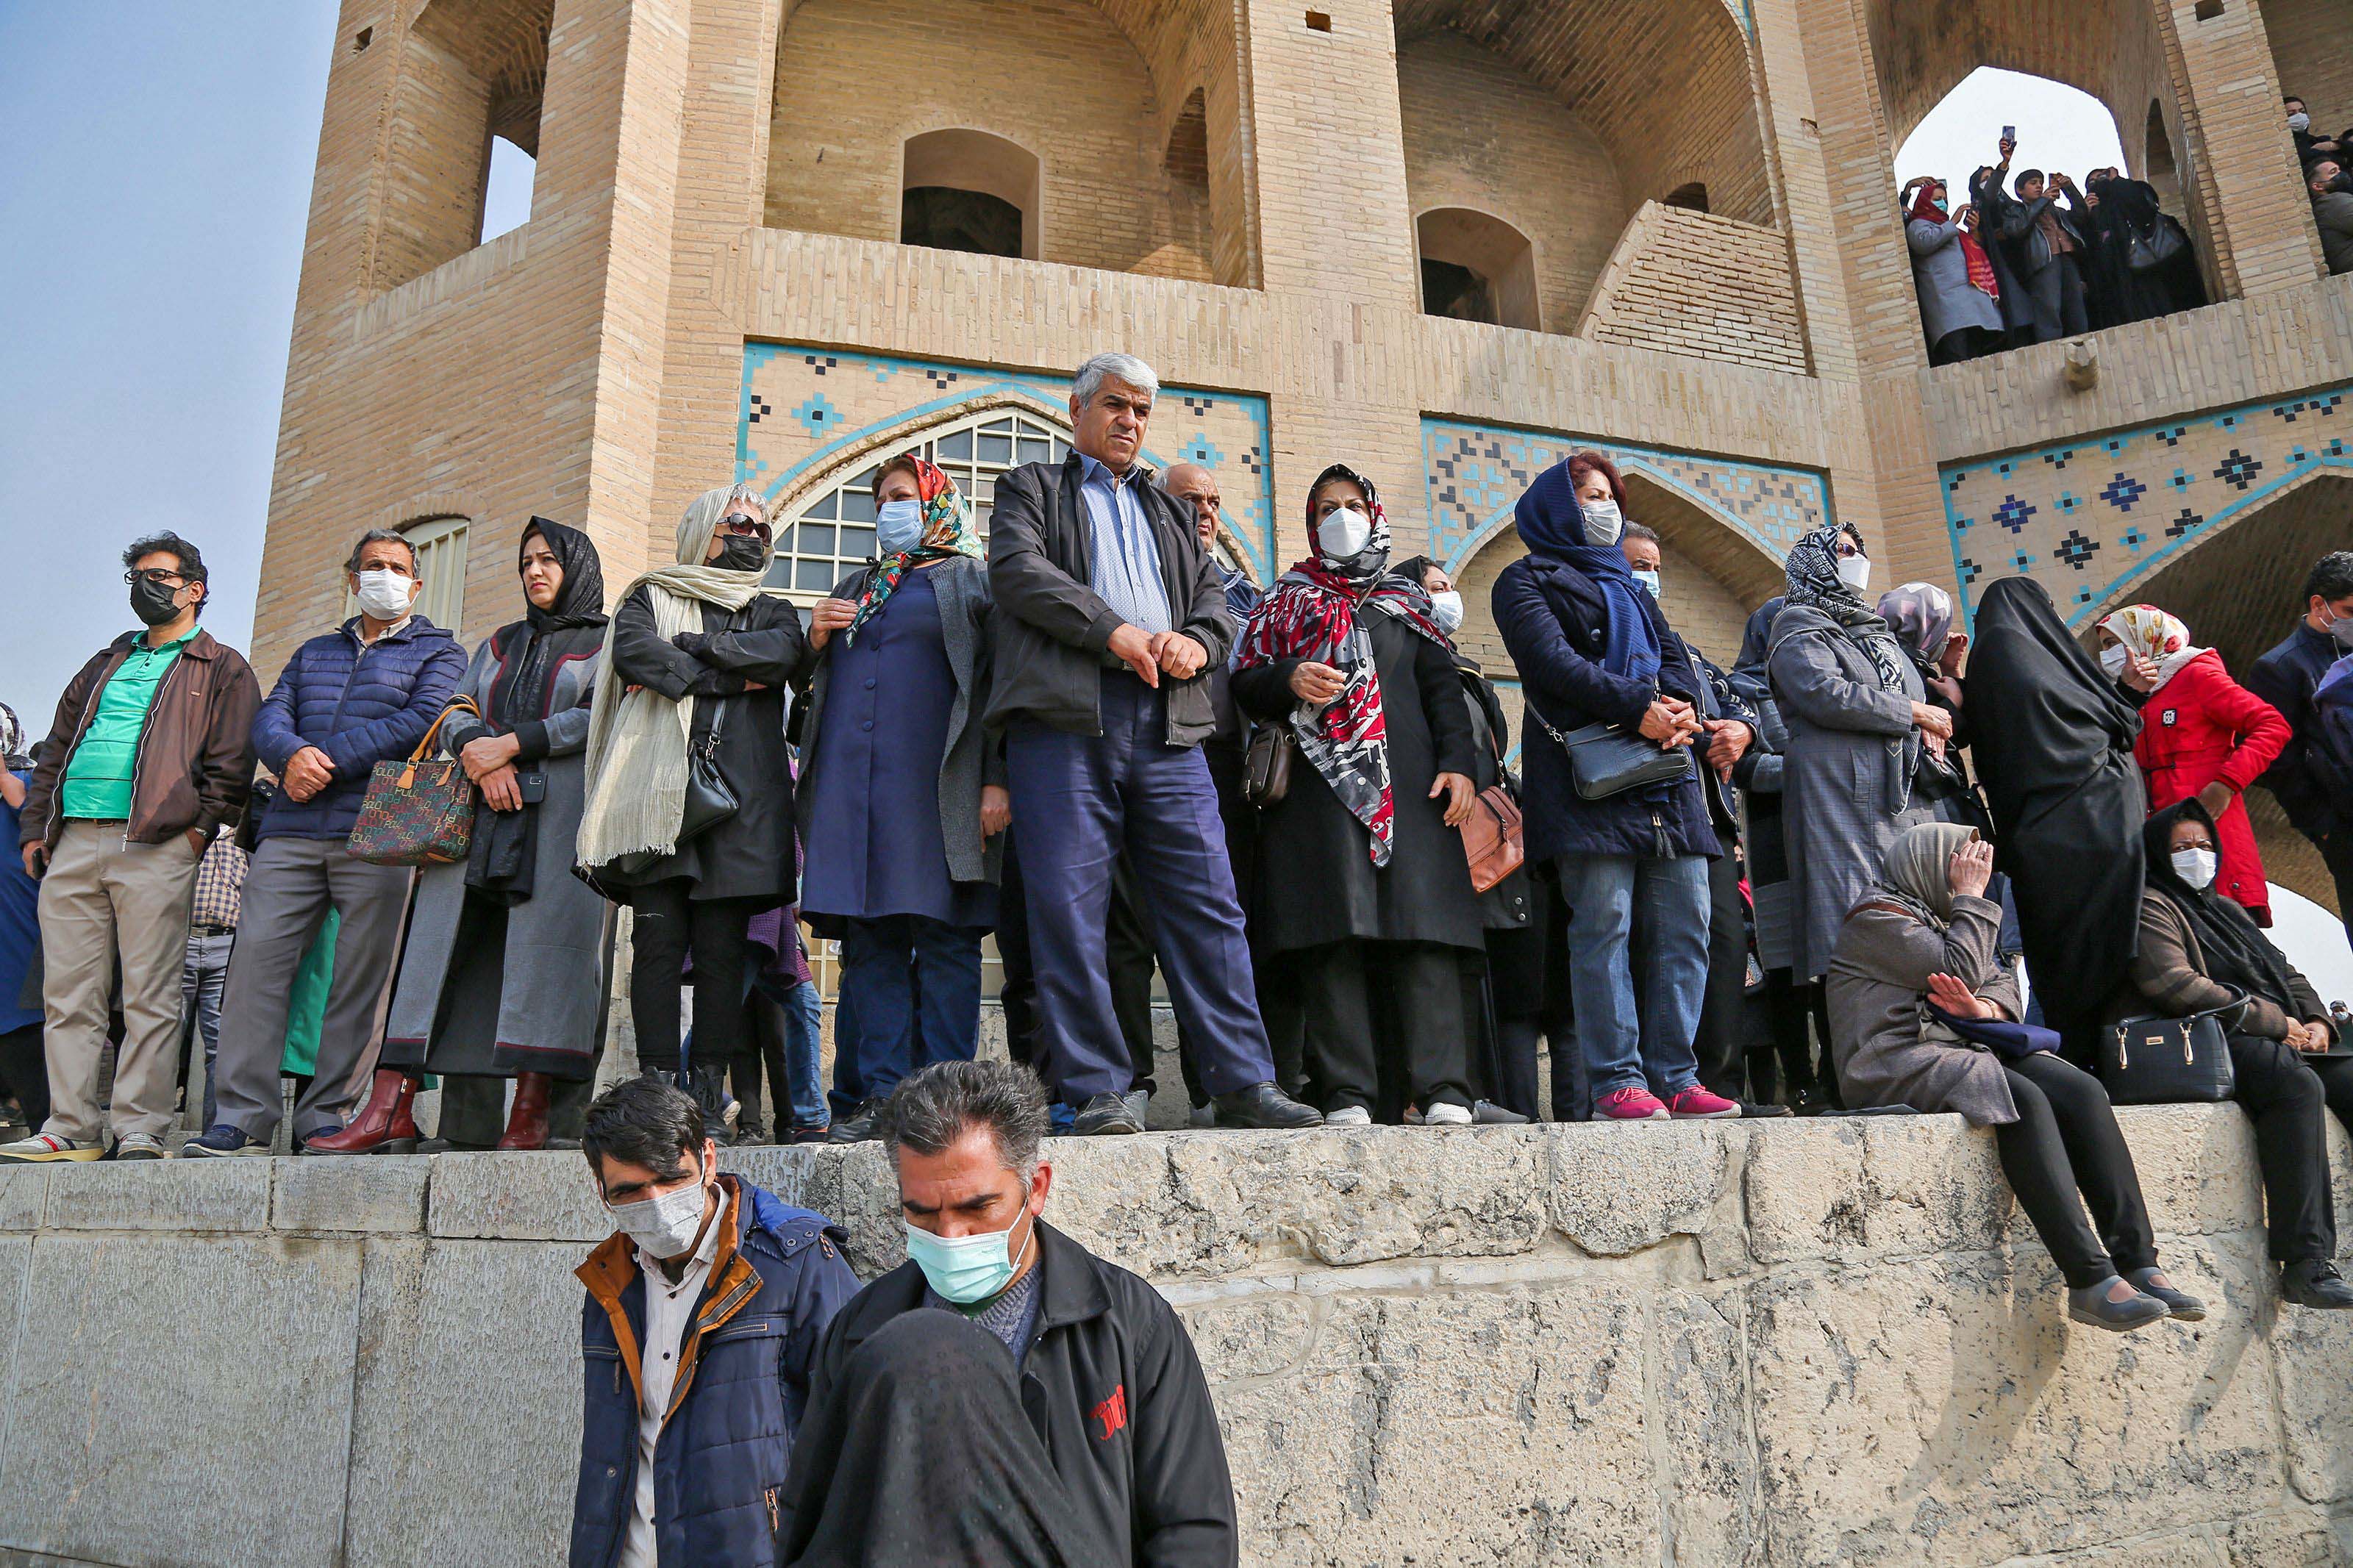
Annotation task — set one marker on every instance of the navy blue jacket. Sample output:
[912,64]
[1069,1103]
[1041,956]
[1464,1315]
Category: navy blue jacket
[1555,623]
[742,1382]
[2287,678]
[359,705]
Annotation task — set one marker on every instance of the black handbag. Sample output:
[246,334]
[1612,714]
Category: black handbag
[709,799]
[1266,767]
[1604,759]
[2163,242]
[2169,1061]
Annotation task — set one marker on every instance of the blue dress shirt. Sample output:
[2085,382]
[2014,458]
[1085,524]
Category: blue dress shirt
[1127,553]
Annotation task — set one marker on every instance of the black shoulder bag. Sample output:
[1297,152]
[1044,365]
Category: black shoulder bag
[2170,1061]
[1604,759]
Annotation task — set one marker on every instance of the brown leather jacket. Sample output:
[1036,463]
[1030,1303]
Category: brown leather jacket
[195,763]
[2169,979]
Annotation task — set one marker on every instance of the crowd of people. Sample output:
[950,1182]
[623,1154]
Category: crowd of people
[2327,164]
[2031,258]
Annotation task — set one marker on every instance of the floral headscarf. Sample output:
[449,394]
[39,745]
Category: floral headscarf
[1312,614]
[2154,635]
[947,530]
[1921,617]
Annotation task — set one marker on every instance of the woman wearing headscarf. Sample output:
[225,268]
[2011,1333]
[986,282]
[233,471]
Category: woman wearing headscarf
[1921,617]
[2199,951]
[2053,742]
[2120,211]
[903,795]
[689,689]
[502,974]
[1918,951]
[24,1072]
[2201,733]
[1859,722]
[1593,647]
[1960,306]
[1369,895]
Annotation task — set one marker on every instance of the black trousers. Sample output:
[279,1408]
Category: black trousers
[1018,994]
[920,1452]
[1415,988]
[473,1108]
[1128,952]
[1720,1042]
[669,926]
[25,1072]
[2336,1076]
[2283,1096]
[2066,1140]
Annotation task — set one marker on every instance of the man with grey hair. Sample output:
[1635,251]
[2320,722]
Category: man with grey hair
[1108,614]
[359,695]
[1003,1375]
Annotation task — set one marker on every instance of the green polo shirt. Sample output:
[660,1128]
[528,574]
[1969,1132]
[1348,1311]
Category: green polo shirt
[98,780]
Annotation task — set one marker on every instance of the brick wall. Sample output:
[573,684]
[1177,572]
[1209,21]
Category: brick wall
[2312,45]
[1685,282]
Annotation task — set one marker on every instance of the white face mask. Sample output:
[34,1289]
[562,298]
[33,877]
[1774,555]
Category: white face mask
[385,594]
[1446,609]
[898,527]
[2299,120]
[1344,534]
[2112,660]
[665,1223]
[1648,580]
[2195,867]
[1854,571]
[1603,523]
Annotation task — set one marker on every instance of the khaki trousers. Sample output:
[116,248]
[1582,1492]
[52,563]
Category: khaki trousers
[102,899]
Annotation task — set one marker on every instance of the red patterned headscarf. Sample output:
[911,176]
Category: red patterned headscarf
[947,530]
[1981,276]
[1312,614]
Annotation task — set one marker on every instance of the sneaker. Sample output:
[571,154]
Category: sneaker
[1631,1105]
[750,1130]
[1445,1113]
[1105,1115]
[2315,1283]
[858,1127]
[1487,1113]
[813,1133]
[219,1141]
[1139,1104]
[1348,1116]
[140,1146]
[43,1147]
[1697,1103]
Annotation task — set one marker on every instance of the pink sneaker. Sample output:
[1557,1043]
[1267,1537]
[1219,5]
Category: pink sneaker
[1695,1102]
[1631,1105]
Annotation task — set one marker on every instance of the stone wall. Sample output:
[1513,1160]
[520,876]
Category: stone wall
[1819,1342]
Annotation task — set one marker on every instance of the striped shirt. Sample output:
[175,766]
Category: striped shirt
[1126,551]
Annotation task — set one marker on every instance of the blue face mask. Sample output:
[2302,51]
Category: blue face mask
[1648,580]
[967,1269]
[898,527]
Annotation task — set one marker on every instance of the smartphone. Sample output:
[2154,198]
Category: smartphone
[2009,133]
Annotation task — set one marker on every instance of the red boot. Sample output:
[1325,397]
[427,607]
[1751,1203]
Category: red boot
[527,1123]
[384,1125]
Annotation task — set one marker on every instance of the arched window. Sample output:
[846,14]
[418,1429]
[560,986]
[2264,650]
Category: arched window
[440,546]
[825,538]
[968,190]
[1692,195]
[2157,160]
[1477,267]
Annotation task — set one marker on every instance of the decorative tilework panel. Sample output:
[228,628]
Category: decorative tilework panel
[804,410]
[1476,474]
[2087,519]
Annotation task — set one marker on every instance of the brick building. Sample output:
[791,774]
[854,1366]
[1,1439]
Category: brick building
[1448,241]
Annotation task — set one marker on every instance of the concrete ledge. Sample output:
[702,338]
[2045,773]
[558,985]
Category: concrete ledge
[1822,1342]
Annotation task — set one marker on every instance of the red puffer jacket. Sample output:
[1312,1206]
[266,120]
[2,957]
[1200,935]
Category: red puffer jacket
[2201,726]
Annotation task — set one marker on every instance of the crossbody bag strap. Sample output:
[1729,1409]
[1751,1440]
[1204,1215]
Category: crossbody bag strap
[425,747]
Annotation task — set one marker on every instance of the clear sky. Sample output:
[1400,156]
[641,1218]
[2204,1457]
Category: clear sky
[154,193]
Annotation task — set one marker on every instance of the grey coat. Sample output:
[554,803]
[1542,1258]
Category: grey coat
[1940,270]
[542,1008]
[973,758]
[1846,776]
[1877,985]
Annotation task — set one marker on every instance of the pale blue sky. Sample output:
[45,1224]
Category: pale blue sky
[2059,129]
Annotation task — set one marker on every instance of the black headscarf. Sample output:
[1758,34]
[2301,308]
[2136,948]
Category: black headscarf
[2053,740]
[2234,948]
[530,652]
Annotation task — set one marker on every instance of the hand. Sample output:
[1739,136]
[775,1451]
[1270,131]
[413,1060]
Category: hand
[1967,211]
[2008,148]
[36,861]
[486,754]
[996,810]
[1933,720]
[501,790]
[1316,684]
[1948,992]
[2216,798]
[2090,200]
[1180,657]
[1946,687]
[1971,870]
[308,771]
[1664,721]
[829,616]
[2140,673]
[1132,647]
[1460,792]
[1727,739]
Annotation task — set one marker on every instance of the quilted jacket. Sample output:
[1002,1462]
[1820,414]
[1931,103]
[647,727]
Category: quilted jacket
[358,704]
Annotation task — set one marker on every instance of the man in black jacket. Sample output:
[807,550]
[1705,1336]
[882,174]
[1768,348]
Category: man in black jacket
[2047,248]
[1005,1399]
[2286,677]
[1108,612]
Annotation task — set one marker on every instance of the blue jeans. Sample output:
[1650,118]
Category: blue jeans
[1631,915]
[804,1018]
[205,973]
[911,990]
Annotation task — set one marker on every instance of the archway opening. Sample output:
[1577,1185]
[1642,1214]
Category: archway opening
[1691,195]
[1477,267]
[968,190]
[2156,158]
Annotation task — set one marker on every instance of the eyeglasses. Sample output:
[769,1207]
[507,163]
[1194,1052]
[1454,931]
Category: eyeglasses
[739,526]
[162,576]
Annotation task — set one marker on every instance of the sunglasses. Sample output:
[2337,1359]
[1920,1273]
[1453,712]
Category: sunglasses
[740,526]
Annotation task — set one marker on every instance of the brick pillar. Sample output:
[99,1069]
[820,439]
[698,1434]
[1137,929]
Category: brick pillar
[1793,143]
[2247,183]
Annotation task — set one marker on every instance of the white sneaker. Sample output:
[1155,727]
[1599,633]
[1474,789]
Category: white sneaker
[140,1146]
[43,1147]
[1348,1116]
[1444,1114]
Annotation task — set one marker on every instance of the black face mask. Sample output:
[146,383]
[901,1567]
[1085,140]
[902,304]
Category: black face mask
[151,603]
[738,555]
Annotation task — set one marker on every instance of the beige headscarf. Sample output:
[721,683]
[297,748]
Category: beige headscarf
[1917,869]
[636,757]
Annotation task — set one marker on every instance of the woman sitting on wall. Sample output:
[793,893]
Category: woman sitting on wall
[1917,952]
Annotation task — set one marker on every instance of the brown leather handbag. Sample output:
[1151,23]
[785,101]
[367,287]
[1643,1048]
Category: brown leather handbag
[1491,837]
[1266,767]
